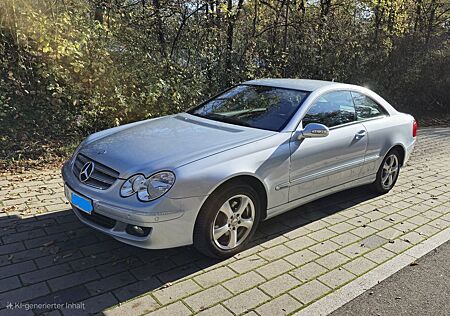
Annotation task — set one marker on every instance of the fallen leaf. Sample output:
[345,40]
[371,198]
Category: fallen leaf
[49,243]
[166,285]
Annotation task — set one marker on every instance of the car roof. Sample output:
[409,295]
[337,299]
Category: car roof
[298,84]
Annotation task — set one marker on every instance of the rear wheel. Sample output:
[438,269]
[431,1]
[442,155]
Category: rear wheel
[388,172]
[227,220]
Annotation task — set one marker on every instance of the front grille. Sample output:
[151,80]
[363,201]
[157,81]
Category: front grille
[101,178]
[99,219]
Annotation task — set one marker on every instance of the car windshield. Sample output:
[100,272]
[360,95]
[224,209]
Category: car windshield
[261,107]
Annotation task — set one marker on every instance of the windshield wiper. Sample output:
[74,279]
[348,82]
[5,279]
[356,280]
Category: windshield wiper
[224,118]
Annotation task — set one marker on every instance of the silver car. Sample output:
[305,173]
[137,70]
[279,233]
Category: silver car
[208,176]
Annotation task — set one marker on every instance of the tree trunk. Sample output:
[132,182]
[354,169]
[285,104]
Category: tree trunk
[430,22]
[230,32]
[231,20]
[159,28]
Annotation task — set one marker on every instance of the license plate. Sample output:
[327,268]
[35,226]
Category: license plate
[82,203]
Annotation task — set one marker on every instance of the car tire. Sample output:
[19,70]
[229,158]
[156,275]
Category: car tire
[388,172]
[221,231]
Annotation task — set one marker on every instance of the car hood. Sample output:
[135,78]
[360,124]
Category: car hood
[166,143]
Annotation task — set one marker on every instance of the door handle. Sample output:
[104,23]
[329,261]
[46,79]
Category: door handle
[360,134]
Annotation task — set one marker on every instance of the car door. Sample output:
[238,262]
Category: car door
[318,164]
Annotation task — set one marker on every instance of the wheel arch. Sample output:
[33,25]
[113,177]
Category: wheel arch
[201,231]
[250,179]
[401,150]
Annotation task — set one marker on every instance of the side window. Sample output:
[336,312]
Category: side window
[331,109]
[366,107]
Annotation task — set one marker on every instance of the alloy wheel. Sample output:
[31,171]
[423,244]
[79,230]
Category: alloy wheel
[389,172]
[233,222]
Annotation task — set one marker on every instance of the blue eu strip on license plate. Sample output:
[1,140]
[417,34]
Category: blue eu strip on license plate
[82,203]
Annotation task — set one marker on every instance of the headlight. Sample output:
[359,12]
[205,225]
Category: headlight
[148,189]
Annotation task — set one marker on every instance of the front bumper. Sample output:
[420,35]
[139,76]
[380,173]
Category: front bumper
[171,221]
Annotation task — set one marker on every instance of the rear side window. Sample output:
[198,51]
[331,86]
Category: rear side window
[366,108]
[331,109]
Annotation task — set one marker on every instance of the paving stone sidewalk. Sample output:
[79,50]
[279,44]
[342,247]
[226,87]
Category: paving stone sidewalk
[48,259]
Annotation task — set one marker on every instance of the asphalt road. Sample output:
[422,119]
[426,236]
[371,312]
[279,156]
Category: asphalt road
[419,289]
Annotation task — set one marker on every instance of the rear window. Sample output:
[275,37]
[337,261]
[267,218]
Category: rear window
[366,108]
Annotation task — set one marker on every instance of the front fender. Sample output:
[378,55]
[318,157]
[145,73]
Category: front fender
[266,159]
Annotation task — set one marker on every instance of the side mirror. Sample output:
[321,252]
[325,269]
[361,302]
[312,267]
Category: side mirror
[313,130]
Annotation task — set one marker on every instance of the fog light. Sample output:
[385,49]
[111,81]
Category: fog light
[138,230]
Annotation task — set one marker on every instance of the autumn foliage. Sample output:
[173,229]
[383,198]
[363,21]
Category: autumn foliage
[69,68]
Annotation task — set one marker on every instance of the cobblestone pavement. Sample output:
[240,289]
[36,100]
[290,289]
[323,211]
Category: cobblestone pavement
[47,257]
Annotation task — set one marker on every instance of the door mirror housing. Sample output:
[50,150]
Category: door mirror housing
[314,130]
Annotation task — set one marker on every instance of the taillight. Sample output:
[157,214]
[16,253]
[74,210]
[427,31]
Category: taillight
[414,128]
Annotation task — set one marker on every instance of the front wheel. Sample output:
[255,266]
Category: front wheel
[227,221]
[388,173]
